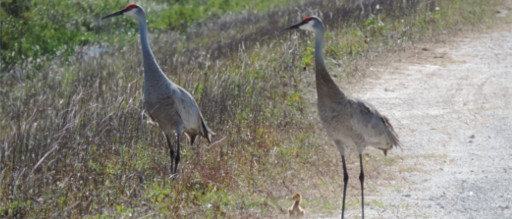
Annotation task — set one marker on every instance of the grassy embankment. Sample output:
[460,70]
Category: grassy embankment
[74,140]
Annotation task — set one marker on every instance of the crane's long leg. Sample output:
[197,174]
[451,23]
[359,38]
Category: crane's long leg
[345,182]
[361,179]
[178,153]
[171,150]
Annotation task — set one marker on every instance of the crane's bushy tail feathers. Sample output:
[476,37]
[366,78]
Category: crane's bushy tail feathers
[393,137]
[207,131]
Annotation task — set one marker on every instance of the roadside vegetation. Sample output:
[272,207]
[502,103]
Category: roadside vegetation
[74,140]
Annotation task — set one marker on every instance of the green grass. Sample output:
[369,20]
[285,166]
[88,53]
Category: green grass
[74,140]
[34,30]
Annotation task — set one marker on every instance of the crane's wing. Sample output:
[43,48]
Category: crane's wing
[191,116]
[375,128]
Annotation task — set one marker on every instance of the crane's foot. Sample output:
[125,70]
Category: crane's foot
[174,176]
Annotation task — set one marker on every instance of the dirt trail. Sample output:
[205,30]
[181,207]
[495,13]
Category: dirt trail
[451,104]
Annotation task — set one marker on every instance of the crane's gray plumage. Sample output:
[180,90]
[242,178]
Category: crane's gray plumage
[168,104]
[349,122]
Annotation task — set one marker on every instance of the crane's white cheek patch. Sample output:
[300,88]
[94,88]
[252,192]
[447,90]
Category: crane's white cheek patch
[308,26]
[131,13]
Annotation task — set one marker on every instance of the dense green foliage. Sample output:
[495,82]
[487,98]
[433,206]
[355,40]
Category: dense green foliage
[38,29]
[180,14]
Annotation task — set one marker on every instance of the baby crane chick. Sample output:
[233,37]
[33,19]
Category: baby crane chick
[295,210]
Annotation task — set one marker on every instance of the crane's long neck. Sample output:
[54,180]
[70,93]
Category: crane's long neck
[152,71]
[325,85]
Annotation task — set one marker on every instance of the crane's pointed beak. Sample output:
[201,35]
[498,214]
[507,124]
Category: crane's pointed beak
[121,12]
[295,26]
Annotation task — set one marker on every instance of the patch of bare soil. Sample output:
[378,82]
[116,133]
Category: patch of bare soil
[451,104]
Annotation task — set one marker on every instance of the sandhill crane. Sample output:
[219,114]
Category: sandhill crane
[348,122]
[168,104]
[295,210]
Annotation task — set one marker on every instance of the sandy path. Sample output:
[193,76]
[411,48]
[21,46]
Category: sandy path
[451,104]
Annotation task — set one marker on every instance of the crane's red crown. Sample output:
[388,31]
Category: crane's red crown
[131,6]
[306,20]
